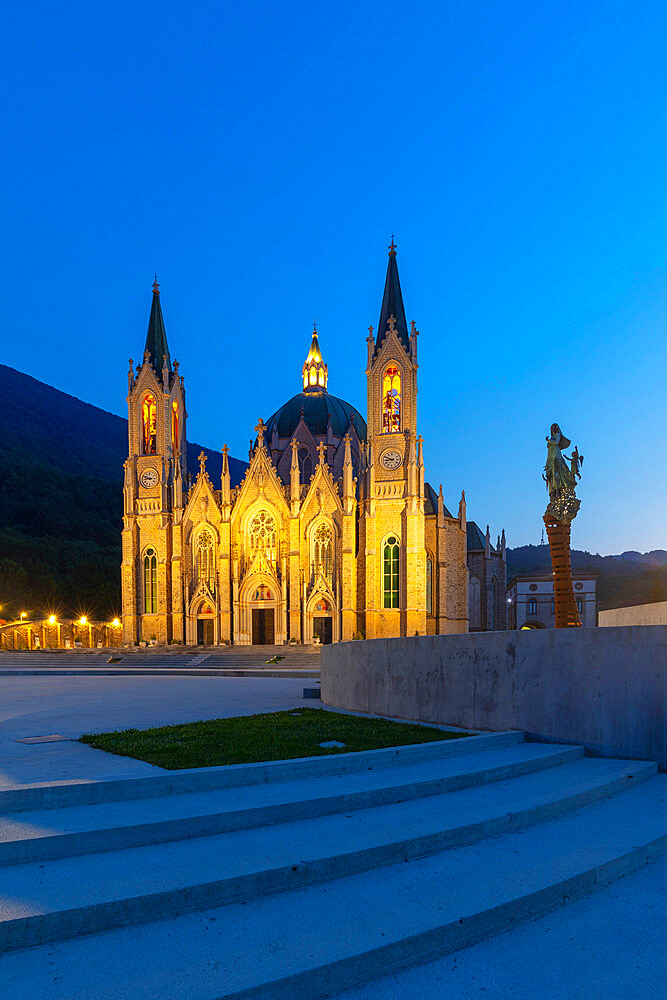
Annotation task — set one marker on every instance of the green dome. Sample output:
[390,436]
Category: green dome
[317,408]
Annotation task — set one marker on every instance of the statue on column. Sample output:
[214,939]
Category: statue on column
[560,478]
[563,507]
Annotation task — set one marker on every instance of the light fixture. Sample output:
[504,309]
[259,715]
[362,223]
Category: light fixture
[83,620]
[116,622]
[52,619]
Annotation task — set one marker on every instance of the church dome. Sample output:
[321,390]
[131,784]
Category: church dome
[315,404]
[317,407]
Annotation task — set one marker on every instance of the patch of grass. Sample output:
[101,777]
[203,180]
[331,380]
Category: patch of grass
[270,736]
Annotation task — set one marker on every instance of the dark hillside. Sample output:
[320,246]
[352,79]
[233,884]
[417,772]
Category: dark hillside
[624,580]
[61,474]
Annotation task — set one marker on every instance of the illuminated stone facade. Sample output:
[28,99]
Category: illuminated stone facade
[333,532]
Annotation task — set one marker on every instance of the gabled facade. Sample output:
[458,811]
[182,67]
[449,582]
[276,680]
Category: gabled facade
[333,532]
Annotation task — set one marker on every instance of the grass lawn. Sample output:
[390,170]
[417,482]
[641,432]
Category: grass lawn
[271,736]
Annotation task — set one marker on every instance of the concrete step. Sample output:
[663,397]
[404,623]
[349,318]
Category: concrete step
[108,670]
[74,830]
[52,795]
[606,946]
[323,938]
[88,894]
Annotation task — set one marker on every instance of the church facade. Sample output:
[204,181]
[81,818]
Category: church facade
[333,532]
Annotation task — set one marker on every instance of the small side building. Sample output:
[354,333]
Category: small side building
[530,600]
[487,580]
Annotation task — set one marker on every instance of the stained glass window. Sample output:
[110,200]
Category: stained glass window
[390,573]
[263,535]
[391,399]
[263,593]
[205,559]
[323,549]
[150,582]
[429,585]
[175,441]
[149,423]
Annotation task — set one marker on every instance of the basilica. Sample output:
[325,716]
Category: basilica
[333,532]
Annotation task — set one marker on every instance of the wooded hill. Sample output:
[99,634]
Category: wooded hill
[61,500]
[61,503]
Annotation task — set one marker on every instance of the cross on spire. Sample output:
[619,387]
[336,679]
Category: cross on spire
[391,323]
[202,462]
[392,245]
[156,287]
[259,430]
[321,448]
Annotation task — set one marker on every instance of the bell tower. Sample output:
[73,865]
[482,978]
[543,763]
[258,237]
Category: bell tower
[392,509]
[154,487]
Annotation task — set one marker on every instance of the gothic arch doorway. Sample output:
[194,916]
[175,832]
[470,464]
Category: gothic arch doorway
[321,620]
[260,614]
[202,623]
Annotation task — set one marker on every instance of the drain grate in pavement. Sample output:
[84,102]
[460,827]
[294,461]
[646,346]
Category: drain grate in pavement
[54,738]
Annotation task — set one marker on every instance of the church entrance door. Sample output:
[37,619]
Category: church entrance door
[204,632]
[322,629]
[263,631]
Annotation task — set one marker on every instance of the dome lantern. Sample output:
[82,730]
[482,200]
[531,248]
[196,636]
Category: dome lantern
[315,372]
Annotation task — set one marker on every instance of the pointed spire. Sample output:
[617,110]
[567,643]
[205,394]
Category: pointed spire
[441,508]
[487,543]
[503,545]
[315,373]
[462,511]
[392,303]
[156,338]
[225,480]
[348,484]
[295,478]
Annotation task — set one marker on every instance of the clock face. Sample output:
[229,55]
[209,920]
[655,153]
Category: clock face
[391,459]
[148,478]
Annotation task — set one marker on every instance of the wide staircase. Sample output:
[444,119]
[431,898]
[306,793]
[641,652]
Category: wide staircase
[295,660]
[301,879]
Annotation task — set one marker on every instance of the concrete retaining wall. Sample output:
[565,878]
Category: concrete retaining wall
[603,688]
[638,614]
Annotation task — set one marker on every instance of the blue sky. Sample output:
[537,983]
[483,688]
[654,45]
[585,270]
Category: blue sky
[258,156]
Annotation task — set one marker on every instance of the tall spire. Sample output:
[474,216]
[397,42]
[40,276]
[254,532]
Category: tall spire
[315,372]
[156,338]
[392,303]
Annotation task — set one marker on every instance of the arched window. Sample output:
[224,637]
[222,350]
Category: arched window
[305,465]
[175,440]
[429,585]
[493,609]
[390,573]
[391,399]
[150,582]
[205,560]
[262,534]
[313,376]
[474,602]
[323,550]
[532,607]
[149,423]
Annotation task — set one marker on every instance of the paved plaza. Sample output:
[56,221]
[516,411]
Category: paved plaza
[67,706]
